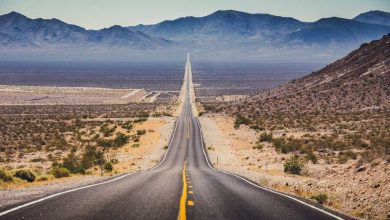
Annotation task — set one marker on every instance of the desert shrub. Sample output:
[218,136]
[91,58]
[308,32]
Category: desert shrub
[73,163]
[286,146]
[136,138]
[291,145]
[293,165]
[104,143]
[140,120]
[135,145]
[121,139]
[59,172]
[114,161]
[265,137]
[257,127]
[141,132]
[167,114]
[5,176]
[88,157]
[278,143]
[108,166]
[240,120]
[312,157]
[127,125]
[25,174]
[106,130]
[320,198]
[258,146]
[156,114]
[344,156]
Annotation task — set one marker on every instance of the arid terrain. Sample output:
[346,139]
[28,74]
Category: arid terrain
[58,147]
[45,95]
[358,188]
[323,137]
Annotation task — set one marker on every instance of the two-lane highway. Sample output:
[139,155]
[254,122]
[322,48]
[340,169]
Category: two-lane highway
[183,185]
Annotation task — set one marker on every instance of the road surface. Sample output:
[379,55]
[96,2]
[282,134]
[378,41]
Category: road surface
[182,186]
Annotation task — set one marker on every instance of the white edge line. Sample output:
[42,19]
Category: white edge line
[92,185]
[260,187]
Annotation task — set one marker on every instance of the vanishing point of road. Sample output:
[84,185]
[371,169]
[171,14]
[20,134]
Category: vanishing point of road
[183,186]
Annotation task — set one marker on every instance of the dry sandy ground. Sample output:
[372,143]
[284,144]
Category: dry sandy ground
[151,150]
[147,155]
[363,194]
[42,95]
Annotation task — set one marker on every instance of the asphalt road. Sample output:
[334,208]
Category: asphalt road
[171,191]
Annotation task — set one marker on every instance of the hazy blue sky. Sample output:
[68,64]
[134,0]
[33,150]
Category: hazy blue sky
[96,14]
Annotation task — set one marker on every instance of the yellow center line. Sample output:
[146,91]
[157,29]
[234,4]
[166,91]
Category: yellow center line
[182,209]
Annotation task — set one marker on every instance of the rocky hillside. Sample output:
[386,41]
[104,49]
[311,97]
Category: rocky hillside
[360,81]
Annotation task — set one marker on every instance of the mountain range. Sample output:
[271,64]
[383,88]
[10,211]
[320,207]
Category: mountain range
[221,34]
[19,31]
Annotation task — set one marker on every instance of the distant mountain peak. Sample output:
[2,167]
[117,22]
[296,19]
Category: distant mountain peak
[228,12]
[374,17]
[116,28]
[333,20]
[14,15]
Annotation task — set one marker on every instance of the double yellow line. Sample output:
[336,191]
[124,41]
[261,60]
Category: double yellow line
[183,199]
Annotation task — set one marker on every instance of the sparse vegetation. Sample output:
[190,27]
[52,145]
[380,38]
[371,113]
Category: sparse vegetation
[25,174]
[5,176]
[42,178]
[258,146]
[135,145]
[265,137]
[293,165]
[59,172]
[121,139]
[241,120]
[321,198]
[108,166]
[66,136]
[141,132]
